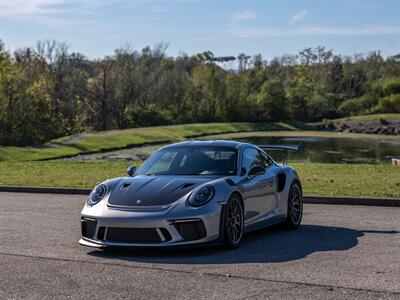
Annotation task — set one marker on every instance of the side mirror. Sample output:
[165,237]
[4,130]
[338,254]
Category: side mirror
[256,170]
[131,170]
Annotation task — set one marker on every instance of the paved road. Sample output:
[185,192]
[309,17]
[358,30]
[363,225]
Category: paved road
[341,252]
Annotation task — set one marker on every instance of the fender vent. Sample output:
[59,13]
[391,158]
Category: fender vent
[230,182]
[125,185]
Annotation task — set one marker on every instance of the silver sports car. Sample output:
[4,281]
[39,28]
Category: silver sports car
[195,192]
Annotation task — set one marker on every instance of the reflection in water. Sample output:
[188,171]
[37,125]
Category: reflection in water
[317,149]
[333,150]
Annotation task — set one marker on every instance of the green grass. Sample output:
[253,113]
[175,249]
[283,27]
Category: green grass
[376,117]
[59,174]
[18,165]
[135,137]
[318,179]
[353,180]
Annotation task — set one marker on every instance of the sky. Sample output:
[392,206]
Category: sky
[271,28]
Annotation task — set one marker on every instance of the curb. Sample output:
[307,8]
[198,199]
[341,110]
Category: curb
[44,190]
[391,202]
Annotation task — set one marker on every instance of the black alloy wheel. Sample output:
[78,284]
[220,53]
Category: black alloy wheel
[295,206]
[233,222]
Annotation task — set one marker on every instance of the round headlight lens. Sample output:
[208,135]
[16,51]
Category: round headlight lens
[97,194]
[201,196]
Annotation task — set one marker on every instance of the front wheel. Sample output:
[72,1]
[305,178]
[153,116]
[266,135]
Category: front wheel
[233,222]
[295,206]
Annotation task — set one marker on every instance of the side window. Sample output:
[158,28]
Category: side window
[252,157]
[266,160]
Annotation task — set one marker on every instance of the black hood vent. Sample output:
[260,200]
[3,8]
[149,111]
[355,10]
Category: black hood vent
[142,191]
[187,185]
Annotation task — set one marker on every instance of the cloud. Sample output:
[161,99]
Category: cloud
[34,7]
[53,13]
[251,32]
[31,8]
[245,15]
[298,17]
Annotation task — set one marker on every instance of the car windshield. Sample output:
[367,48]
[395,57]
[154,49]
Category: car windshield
[191,160]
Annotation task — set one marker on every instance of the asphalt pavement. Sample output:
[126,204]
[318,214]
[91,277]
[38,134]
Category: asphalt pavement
[340,252]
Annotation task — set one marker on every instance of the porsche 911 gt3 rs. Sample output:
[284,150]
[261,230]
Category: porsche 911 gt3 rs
[194,192]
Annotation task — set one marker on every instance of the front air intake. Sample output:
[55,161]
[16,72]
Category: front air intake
[88,228]
[190,230]
[136,235]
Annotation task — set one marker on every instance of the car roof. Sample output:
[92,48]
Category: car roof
[211,143]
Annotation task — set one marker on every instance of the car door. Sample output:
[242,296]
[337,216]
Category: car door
[258,190]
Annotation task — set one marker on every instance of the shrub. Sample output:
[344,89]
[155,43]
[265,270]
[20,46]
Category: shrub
[389,104]
[392,86]
[327,123]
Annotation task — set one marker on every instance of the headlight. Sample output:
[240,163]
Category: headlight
[201,196]
[97,194]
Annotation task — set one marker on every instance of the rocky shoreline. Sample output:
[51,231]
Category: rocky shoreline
[372,127]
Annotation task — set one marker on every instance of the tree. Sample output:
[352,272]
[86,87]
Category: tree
[335,76]
[273,101]
[243,61]
[300,92]
[47,92]
[101,95]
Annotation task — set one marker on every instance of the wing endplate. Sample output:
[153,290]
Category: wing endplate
[285,148]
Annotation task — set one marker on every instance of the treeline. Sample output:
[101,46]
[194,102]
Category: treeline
[48,92]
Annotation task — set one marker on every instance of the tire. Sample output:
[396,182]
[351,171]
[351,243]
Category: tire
[233,222]
[295,207]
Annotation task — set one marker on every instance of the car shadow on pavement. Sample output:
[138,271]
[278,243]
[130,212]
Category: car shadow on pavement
[263,246]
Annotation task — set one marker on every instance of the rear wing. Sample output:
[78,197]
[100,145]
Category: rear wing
[285,148]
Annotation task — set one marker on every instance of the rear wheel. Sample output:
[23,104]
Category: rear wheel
[233,222]
[295,206]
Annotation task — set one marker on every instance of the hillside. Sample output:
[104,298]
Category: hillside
[127,138]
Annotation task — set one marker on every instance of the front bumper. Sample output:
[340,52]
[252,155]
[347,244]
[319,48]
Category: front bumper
[175,225]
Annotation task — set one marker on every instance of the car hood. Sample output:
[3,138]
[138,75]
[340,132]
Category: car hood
[142,191]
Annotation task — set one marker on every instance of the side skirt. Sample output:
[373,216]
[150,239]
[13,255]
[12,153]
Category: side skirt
[270,221]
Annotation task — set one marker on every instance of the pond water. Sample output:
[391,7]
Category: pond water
[316,149]
[333,149]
